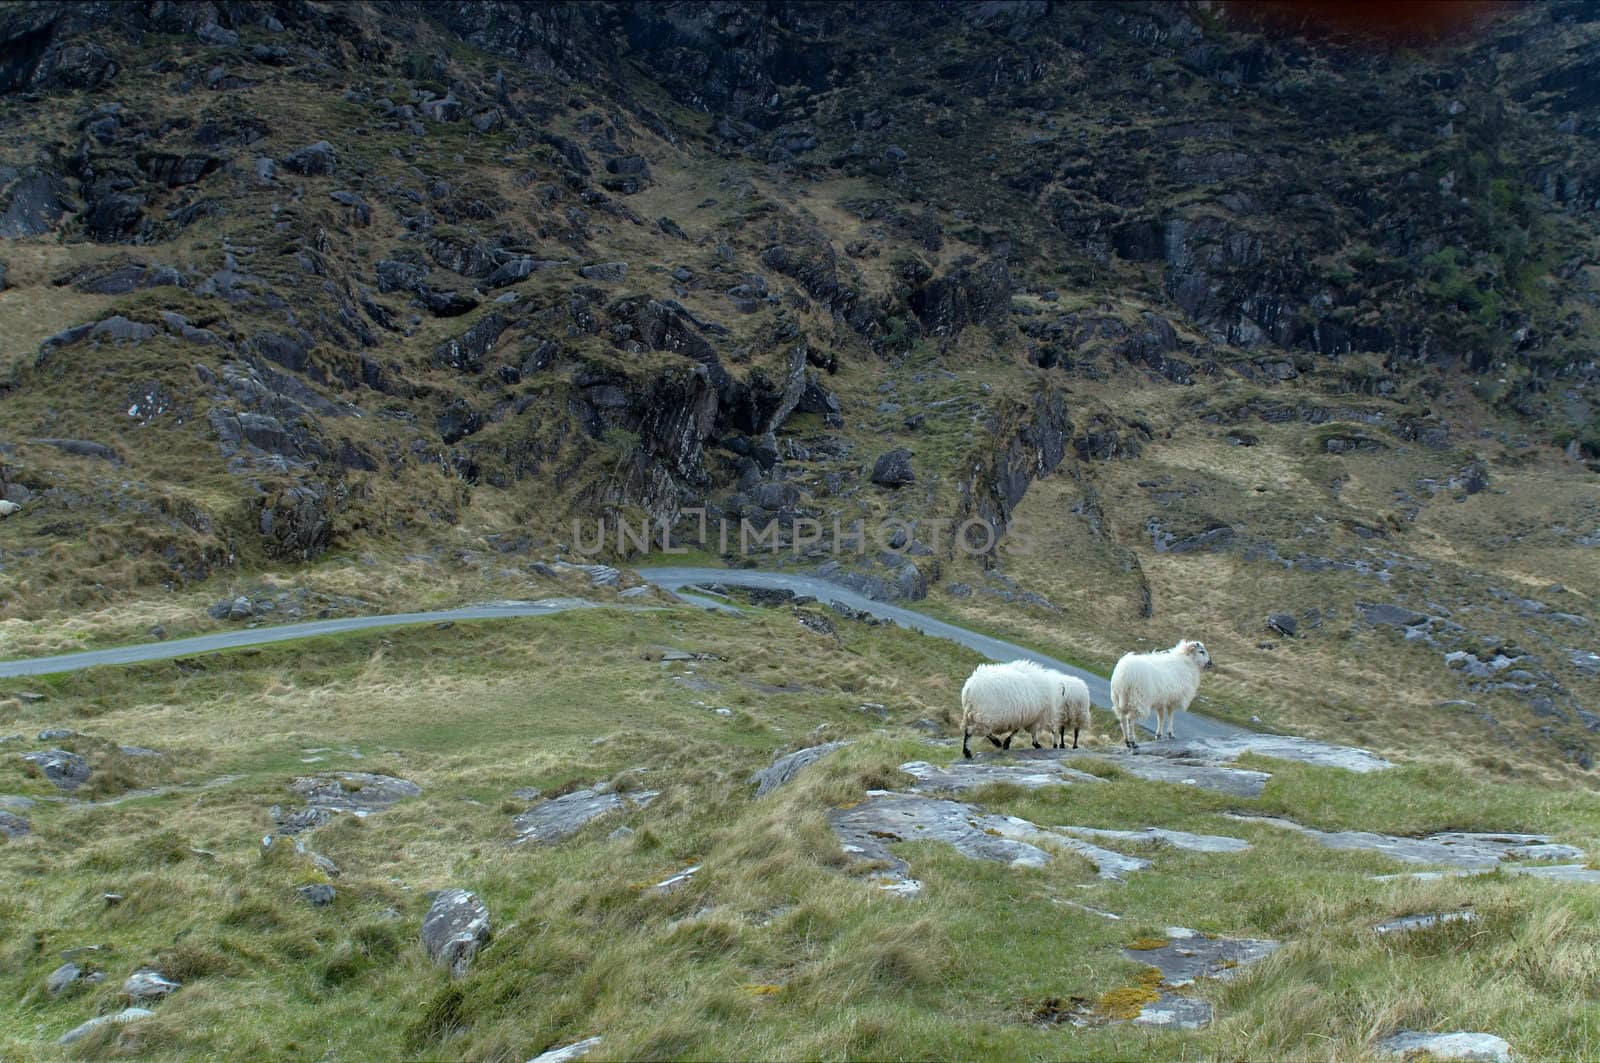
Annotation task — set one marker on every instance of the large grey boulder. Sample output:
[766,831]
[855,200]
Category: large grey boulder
[455,928]
[605,272]
[311,160]
[446,109]
[893,469]
[67,771]
[63,977]
[13,825]
[318,894]
[785,768]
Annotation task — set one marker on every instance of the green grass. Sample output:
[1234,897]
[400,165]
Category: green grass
[776,948]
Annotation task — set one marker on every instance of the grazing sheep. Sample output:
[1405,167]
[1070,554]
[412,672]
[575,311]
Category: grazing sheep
[1006,698]
[1072,710]
[1164,681]
[8,507]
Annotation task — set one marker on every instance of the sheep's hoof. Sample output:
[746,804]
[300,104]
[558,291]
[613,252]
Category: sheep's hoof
[997,744]
[1007,743]
[965,752]
[1036,745]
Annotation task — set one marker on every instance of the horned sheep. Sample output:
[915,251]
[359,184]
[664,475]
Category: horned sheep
[1164,681]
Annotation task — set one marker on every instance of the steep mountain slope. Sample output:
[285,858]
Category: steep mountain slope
[1218,319]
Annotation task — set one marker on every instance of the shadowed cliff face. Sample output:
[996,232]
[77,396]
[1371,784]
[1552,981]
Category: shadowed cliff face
[305,278]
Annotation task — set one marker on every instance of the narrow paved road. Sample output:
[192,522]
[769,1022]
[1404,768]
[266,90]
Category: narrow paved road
[680,581]
[674,579]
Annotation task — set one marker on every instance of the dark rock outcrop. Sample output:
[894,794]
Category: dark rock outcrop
[312,160]
[893,469]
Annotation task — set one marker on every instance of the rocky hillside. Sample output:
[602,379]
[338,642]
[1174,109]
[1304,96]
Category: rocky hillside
[1234,318]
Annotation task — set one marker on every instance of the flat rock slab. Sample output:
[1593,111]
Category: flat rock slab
[1189,955]
[866,830]
[1454,849]
[970,774]
[455,927]
[121,1018]
[786,767]
[1174,1011]
[13,825]
[356,792]
[67,771]
[1194,843]
[1408,923]
[562,817]
[1554,872]
[1107,864]
[1282,747]
[1458,1045]
[1239,782]
[567,1053]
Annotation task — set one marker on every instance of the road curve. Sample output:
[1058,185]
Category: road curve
[679,580]
[674,579]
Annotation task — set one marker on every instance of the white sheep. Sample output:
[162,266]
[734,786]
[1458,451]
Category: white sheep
[8,507]
[1002,699]
[1072,708]
[1164,681]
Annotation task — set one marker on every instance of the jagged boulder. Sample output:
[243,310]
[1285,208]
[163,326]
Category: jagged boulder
[312,160]
[970,295]
[893,469]
[297,523]
[31,204]
[467,351]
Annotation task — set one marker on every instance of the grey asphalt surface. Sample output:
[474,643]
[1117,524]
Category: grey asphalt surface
[679,580]
[258,636]
[1191,724]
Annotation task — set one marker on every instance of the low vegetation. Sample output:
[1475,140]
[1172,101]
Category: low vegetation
[779,946]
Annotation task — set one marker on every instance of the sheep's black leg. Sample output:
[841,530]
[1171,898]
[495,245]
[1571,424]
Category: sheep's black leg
[966,751]
[997,744]
[1074,738]
[1036,744]
[1007,743]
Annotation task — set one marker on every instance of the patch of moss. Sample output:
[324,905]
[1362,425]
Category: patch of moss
[1146,944]
[1125,1003]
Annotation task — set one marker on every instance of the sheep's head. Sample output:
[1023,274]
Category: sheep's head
[1197,650]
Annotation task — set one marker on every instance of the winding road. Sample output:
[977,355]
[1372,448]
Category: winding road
[682,582]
